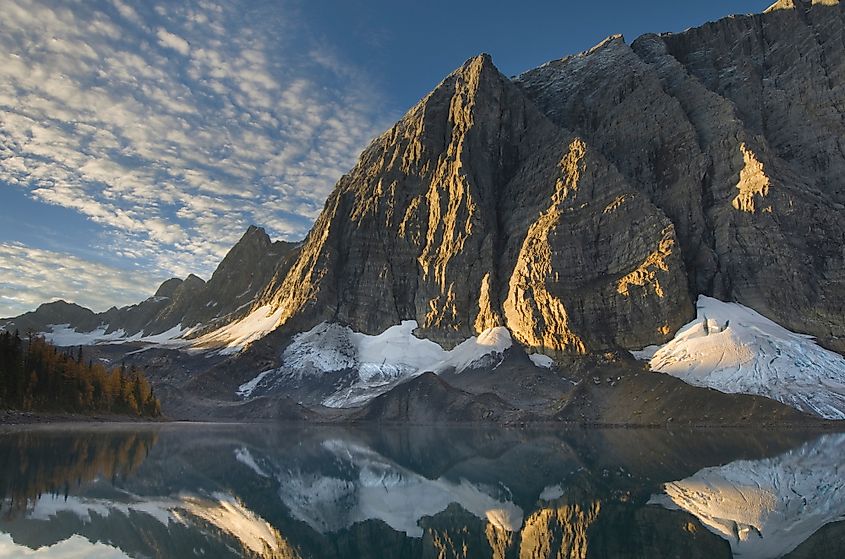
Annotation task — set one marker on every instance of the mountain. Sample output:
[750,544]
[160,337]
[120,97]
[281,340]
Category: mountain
[571,215]
[477,211]
[179,307]
[586,204]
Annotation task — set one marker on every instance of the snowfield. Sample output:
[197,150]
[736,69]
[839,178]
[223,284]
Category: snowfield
[734,349]
[766,508]
[63,335]
[380,362]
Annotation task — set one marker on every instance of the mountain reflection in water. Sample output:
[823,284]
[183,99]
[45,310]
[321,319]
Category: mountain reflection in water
[289,491]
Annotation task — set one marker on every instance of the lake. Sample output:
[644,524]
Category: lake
[288,491]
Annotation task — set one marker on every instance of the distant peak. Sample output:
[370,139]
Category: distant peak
[193,279]
[255,232]
[58,303]
[167,287]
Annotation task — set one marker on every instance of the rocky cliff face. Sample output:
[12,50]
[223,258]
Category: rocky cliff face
[476,211]
[585,204]
[732,130]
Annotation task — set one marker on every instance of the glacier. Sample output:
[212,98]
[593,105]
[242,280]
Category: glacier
[379,361]
[734,349]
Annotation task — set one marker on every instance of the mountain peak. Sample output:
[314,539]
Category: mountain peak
[192,280]
[253,234]
[167,287]
[254,230]
[477,65]
[58,304]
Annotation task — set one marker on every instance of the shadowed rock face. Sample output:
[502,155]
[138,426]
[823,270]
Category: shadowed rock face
[429,399]
[732,130]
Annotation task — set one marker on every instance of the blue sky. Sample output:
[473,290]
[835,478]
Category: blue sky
[138,140]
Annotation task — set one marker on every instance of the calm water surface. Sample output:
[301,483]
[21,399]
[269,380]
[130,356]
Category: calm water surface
[291,492]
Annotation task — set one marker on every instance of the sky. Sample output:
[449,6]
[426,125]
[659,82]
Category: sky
[139,140]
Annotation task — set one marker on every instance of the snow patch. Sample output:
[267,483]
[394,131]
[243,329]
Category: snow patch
[766,508]
[246,389]
[63,335]
[542,361]
[244,456]
[734,349]
[551,492]
[383,360]
[74,546]
[165,337]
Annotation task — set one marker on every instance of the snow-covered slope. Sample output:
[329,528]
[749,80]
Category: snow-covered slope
[378,362]
[233,337]
[734,349]
[766,508]
[75,546]
[63,335]
[227,340]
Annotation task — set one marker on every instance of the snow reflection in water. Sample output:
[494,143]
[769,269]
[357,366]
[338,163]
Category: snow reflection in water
[265,491]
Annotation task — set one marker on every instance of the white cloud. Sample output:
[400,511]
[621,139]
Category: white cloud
[175,127]
[30,276]
[175,42]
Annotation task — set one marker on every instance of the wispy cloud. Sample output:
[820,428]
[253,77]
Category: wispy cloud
[177,124]
[30,276]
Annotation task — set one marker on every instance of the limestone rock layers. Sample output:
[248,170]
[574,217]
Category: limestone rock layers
[476,210]
[734,131]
